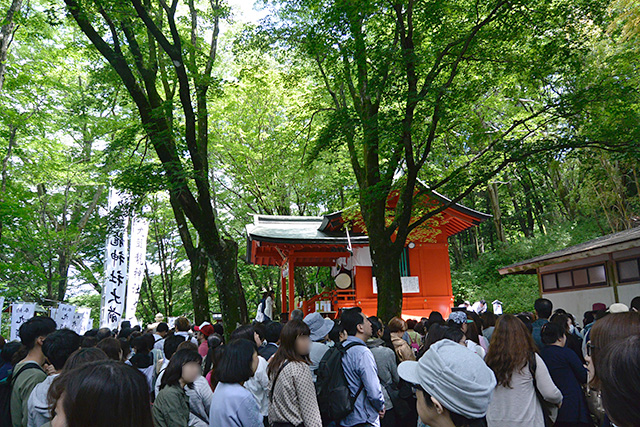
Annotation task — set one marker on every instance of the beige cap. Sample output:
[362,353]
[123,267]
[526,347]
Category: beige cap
[618,308]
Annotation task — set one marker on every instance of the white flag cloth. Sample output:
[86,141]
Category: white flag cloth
[20,313]
[115,280]
[137,257]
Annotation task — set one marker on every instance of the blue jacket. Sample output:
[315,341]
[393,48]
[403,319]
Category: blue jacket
[568,374]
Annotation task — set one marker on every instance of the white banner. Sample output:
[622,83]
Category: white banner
[20,313]
[115,280]
[1,307]
[64,316]
[85,321]
[137,258]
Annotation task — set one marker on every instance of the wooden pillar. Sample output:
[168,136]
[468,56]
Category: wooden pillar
[292,286]
[283,290]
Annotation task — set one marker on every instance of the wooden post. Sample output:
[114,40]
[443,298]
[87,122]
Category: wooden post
[283,290]
[292,286]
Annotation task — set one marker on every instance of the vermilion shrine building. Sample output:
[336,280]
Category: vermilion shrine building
[297,241]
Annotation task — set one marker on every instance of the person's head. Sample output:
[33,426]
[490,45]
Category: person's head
[218,329]
[511,348]
[125,324]
[319,326]
[526,320]
[296,314]
[295,344]
[458,319]
[214,341]
[87,342]
[397,326]
[606,330]
[125,347]
[543,308]
[452,384]
[436,318]
[563,320]
[420,328]
[376,327]
[246,332]
[488,319]
[619,373]
[435,334]
[126,333]
[182,324]
[34,331]
[187,345]
[59,345]
[101,394]
[588,317]
[411,323]
[111,347]
[103,333]
[553,334]
[356,323]
[183,369]
[258,327]
[83,356]
[474,327]
[337,334]
[141,344]
[238,363]
[171,344]
[9,350]
[635,304]
[272,332]
[162,329]
[455,335]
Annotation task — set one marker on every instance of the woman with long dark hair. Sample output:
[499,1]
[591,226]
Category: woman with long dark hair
[511,356]
[171,407]
[293,398]
[101,394]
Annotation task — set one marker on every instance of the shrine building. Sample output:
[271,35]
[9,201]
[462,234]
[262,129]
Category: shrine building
[339,240]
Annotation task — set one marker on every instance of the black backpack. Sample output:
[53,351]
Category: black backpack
[6,386]
[332,389]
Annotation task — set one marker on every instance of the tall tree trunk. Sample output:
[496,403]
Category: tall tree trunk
[199,285]
[386,268]
[199,262]
[63,273]
[7,31]
[224,261]
[492,191]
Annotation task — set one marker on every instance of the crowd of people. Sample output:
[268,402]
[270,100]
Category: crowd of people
[472,369]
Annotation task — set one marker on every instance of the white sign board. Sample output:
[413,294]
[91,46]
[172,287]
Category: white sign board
[410,285]
[497,307]
[137,261]
[20,313]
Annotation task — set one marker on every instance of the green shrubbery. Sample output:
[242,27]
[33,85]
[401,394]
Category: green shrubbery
[479,279]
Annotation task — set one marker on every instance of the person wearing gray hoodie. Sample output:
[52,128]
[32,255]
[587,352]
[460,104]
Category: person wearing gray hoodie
[57,348]
[387,370]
